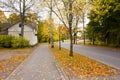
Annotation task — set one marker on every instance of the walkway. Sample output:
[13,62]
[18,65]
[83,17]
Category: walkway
[41,65]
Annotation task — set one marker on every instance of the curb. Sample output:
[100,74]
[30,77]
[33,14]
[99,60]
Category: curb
[59,68]
[61,72]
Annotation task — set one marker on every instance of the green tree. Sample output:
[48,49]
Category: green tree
[64,33]
[66,11]
[31,17]
[40,29]
[14,17]
[105,19]
[44,31]
[2,18]
[19,6]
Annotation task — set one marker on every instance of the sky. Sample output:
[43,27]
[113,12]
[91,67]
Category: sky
[44,14]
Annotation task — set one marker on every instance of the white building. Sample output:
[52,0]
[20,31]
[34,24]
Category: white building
[30,31]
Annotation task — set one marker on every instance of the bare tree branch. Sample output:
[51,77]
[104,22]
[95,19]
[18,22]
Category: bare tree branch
[61,16]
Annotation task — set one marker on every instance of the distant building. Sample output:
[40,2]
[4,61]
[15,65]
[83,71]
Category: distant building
[30,31]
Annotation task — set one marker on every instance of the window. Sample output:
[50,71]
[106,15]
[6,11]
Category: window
[20,25]
[35,34]
[20,35]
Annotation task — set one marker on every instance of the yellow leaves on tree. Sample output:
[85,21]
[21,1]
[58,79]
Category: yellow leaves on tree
[2,17]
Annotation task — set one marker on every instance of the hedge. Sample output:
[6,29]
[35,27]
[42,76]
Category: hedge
[8,41]
[19,43]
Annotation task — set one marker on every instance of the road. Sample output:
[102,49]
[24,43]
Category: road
[107,56]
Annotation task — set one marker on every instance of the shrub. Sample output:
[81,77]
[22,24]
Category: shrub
[5,41]
[114,45]
[19,42]
[1,41]
[8,41]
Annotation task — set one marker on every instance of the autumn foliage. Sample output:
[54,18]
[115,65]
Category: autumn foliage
[8,65]
[80,66]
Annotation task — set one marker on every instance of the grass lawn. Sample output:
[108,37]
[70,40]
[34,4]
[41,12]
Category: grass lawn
[80,66]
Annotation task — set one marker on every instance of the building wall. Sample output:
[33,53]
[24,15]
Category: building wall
[29,33]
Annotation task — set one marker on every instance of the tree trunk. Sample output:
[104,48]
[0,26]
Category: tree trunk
[22,16]
[70,27]
[51,32]
[71,44]
[74,37]
[59,40]
[22,27]
[76,30]
[83,28]
[93,39]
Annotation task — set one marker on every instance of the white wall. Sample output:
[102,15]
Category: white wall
[29,33]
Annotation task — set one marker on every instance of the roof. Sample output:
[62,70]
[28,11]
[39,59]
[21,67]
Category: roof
[7,25]
[32,25]
[4,28]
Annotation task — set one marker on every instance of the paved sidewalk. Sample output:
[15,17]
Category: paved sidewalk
[41,65]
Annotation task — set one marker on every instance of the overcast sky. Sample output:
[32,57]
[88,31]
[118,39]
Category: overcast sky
[43,13]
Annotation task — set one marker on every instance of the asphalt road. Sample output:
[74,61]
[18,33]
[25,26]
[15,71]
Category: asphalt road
[107,56]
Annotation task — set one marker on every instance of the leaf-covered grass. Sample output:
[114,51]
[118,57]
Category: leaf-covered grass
[80,66]
[8,65]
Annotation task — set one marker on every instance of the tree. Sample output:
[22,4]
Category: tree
[68,6]
[40,29]
[43,31]
[82,8]
[2,18]
[31,17]
[105,19]
[49,5]
[0,25]
[13,18]
[18,6]
[76,30]
[65,11]
[63,34]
